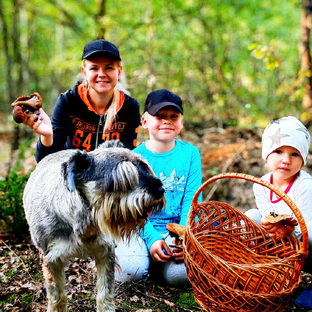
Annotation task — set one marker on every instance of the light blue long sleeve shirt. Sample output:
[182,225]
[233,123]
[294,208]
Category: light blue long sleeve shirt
[180,172]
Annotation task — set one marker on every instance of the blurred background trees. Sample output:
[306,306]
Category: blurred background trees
[234,62]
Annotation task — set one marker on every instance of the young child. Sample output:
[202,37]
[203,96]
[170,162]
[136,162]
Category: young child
[285,147]
[93,111]
[178,165]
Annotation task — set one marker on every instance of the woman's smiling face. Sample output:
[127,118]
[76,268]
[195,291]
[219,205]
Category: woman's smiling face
[102,73]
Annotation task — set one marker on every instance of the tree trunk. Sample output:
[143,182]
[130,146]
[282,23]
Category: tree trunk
[8,61]
[305,54]
[99,19]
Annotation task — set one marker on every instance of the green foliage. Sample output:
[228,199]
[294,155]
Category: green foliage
[267,53]
[10,299]
[198,49]
[11,273]
[12,216]
[186,300]
[26,299]
[213,171]
[38,276]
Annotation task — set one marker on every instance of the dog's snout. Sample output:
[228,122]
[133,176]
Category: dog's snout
[159,192]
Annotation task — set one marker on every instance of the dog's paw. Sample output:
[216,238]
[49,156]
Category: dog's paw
[24,105]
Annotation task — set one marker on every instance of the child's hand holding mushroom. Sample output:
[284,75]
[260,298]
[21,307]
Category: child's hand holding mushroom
[278,225]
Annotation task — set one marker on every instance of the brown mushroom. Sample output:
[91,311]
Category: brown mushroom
[176,230]
[32,102]
[19,115]
[284,218]
[24,105]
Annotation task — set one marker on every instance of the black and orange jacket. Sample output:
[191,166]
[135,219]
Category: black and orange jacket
[76,125]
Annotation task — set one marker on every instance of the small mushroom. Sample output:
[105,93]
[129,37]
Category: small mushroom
[24,105]
[176,230]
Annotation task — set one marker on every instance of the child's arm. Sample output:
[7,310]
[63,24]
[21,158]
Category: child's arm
[262,197]
[193,182]
[303,200]
[130,133]
[302,197]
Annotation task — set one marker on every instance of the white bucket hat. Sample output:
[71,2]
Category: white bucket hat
[287,131]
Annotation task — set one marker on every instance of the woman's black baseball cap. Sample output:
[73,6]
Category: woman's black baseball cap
[100,47]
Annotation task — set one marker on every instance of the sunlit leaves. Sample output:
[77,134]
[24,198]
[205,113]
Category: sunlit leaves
[267,53]
[199,49]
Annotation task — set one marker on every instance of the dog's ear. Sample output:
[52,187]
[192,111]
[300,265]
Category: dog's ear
[73,168]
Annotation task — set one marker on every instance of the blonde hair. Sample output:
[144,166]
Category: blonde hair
[112,109]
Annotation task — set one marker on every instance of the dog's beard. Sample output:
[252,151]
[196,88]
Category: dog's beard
[123,214]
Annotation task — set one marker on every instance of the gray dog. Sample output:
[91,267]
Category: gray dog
[78,203]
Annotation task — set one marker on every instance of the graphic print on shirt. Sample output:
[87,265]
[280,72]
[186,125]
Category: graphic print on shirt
[83,134]
[85,131]
[172,185]
[172,182]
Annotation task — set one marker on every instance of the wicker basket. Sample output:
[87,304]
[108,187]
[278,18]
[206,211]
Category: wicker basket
[232,262]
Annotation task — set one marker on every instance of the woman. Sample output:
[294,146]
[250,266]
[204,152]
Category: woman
[93,111]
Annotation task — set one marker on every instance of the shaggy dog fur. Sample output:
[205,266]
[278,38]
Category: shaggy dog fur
[77,204]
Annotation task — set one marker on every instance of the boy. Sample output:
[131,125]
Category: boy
[178,166]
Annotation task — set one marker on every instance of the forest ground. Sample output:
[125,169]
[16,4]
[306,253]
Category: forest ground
[21,280]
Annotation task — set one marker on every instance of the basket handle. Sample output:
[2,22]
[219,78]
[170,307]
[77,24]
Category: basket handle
[305,243]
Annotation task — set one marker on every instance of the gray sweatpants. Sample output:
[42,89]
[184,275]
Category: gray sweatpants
[134,260]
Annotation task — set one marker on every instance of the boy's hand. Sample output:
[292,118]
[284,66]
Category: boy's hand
[160,252]
[177,253]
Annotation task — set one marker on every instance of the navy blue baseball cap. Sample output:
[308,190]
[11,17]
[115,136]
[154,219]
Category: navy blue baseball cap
[100,47]
[159,99]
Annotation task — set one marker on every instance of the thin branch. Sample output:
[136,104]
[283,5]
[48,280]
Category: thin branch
[169,303]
